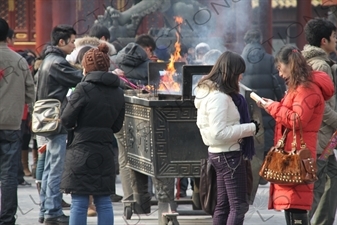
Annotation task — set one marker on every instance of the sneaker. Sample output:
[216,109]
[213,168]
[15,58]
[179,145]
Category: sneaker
[24,184]
[65,205]
[60,220]
[116,198]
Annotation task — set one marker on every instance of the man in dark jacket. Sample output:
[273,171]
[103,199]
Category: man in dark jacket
[262,76]
[55,77]
[133,59]
[16,90]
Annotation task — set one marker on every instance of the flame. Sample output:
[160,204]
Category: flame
[167,81]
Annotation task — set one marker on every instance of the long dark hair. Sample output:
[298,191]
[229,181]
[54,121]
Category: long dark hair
[300,70]
[226,71]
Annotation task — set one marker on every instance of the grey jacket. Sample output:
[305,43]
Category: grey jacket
[318,59]
[16,88]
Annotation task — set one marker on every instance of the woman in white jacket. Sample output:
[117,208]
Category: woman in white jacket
[225,127]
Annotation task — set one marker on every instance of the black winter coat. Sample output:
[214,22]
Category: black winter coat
[95,110]
[262,76]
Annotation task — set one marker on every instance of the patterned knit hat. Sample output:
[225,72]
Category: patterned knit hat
[96,59]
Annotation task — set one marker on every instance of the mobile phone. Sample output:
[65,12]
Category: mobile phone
[257,98]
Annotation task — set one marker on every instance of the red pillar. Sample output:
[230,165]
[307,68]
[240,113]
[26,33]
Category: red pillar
[64,12]
[266,23]
[304,13]
[43,25]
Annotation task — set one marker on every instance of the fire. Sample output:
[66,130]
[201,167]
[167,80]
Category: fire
[167,81]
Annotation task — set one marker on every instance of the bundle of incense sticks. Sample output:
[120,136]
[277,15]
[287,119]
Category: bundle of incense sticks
[329,148]
[129,83]
[132,85]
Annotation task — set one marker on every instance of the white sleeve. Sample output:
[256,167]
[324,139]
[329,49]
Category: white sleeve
[71,58]
[218,109]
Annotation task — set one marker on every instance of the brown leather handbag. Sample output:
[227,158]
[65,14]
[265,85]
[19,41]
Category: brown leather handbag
[296,166]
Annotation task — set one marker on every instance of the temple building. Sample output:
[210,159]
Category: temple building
[281,21]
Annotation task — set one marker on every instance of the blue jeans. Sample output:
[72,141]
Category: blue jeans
[41,157]
[10,147]
[50,195]
[40,166]
[79,209]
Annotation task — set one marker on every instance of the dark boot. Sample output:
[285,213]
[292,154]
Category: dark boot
[142,203]
[299,218]
[287,216]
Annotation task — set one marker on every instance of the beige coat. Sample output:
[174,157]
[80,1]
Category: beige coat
[318,59]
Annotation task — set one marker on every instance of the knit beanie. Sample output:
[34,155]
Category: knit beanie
[97,59]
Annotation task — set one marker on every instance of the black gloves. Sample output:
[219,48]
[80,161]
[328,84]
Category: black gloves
[257,126]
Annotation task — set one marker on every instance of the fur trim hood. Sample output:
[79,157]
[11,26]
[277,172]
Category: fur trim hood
[93,41]
[310,52]
[88,41]
[85,41]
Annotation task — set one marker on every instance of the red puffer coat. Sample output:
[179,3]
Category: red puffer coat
[308,103]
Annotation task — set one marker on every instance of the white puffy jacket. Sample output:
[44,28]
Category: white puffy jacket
[218,120]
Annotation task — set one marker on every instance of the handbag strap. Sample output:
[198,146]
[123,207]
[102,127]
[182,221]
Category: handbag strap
[294,142]
[293,145]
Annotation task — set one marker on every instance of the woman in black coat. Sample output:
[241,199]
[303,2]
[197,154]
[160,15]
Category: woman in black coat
[95,111]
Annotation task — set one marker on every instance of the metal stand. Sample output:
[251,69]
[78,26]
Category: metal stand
[167,205]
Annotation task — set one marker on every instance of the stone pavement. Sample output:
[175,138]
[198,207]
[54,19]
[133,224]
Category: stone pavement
[258,214]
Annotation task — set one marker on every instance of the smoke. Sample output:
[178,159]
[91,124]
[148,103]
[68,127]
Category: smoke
[220,23]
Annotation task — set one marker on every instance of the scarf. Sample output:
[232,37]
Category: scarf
[247,144]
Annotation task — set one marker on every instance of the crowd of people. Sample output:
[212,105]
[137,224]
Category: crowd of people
[85,156]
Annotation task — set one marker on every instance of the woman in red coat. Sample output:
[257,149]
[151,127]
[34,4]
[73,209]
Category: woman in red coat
[307,92]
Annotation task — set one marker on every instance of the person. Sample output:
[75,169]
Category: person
[94,112]
[55,77]
[261,76]
[10,38]
[225,126]
[163,54]
[100,31]
[200,50]
[97,34]
[134,58]
[26,130]
[211,57]
[304,101]
[16,90]
[321,37]
[208,59]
